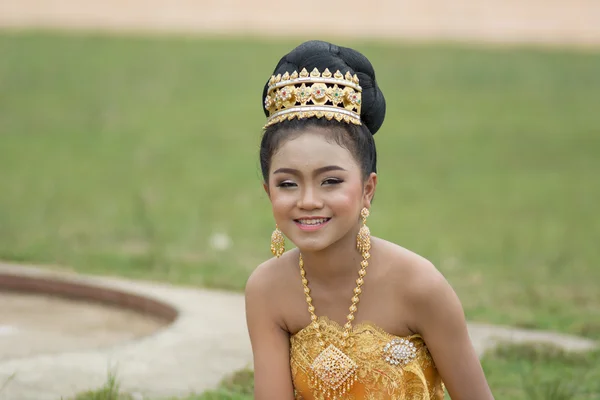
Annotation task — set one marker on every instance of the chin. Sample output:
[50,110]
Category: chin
[310,246]
[314,245]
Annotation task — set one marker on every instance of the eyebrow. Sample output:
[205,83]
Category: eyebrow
[317,171]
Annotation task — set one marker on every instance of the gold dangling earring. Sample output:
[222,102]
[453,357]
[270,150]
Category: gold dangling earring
[277,242]
[363,239]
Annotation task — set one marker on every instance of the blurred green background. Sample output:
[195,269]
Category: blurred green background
[139,157]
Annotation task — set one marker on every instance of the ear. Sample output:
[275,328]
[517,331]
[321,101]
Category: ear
[369,189]
[266,188]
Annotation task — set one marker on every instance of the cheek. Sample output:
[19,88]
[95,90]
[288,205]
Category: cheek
[281,201]
[347,199]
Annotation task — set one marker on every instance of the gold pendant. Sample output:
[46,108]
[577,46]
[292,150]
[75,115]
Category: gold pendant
[336,372]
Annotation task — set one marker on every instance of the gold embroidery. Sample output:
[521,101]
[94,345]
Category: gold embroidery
[377,379]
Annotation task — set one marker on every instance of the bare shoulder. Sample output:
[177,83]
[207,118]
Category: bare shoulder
[420,284]
[267,285]
[410,269]
[423,278]
[270,272]
[262,276]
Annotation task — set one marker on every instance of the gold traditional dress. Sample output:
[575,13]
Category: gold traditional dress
[389,367]
[363,362]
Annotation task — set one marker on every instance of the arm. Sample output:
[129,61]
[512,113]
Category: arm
[442,324]
[270,343]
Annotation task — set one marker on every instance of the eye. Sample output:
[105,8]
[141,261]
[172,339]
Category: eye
[286,184]
[332,181]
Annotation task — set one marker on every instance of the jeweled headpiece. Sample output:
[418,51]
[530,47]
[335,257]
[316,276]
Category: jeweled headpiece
[304,95]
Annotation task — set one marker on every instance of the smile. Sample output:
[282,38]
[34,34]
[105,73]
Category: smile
[311,224]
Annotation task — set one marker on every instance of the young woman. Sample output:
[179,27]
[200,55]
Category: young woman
[344,315]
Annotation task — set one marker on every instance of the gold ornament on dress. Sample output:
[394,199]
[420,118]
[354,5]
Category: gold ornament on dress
[334,371]
[277,242]
[400,351]
[322,95]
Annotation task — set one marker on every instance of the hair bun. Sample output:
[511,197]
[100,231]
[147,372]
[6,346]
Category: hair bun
[319,54]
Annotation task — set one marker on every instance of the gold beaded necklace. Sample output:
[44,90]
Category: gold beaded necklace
[334,372]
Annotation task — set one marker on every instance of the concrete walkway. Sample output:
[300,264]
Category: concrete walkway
[207,341]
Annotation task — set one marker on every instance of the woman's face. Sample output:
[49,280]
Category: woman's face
[316,190]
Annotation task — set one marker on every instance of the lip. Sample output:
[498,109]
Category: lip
[310,228]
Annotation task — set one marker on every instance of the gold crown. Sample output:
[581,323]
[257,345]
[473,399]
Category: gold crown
[304,95]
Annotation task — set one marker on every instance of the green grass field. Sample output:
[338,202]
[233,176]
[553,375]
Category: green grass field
[125,155]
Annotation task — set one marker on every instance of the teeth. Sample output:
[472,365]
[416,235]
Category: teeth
[312,221]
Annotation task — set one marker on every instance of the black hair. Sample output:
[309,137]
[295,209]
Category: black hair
[358,139]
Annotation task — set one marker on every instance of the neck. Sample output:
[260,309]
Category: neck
[338,262]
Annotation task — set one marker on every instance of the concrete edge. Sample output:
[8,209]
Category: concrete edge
[74,290]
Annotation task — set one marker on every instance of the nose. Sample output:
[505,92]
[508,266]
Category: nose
[309,199]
